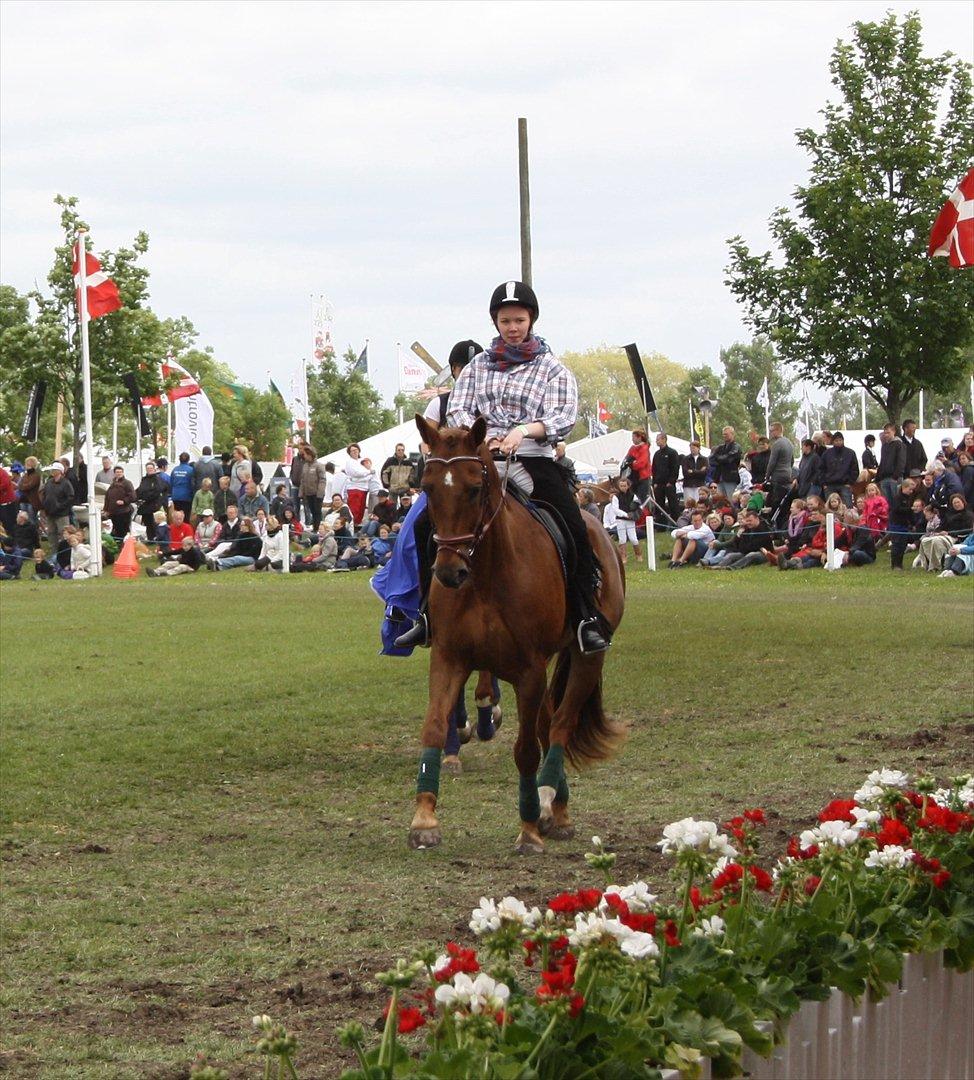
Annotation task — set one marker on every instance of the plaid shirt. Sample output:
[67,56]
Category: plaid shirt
[543,390]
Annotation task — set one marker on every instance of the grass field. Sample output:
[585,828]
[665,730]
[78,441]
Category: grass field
[207,782]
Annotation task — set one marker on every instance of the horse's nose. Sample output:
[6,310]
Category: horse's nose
[452,576]
[462,574]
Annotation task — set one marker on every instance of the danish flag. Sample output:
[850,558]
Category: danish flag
[102,291]
[953,232]
[187,386]
[604,415]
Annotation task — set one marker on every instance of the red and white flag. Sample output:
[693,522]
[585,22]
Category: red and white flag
[102,291]
[187,386]
[953,232]
[604,415]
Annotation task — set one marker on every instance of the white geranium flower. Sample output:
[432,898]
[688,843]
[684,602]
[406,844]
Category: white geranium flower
[485,918]
[455,993]
[963,794]
[892,857]
[488,995]
[701,835]
[589,928]
[596,841]
[836,833]
[442,961]
[865,817]
[636,895]
[712,927]
[638,945]
[878,781]
[720,866]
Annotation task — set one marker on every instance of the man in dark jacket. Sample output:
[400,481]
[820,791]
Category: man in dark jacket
[725,461]
[207,466]
[916,454]
[694,471]
[840,469]
[223,498]
[780,467]
[151,495]
[751,546]
[397,473]
[892,462]
[24,534]
[666,472]
[809,480]
[57,498]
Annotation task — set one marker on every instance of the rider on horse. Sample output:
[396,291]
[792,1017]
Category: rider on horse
[529,400]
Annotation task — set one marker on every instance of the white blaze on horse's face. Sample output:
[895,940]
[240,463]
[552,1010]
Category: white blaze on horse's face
[448,479]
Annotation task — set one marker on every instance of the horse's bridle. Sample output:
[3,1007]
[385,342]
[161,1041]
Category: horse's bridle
[465,545]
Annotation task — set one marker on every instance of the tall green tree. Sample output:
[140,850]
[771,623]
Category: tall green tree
[748,365]
[731,408]
[851,298]
[344,405]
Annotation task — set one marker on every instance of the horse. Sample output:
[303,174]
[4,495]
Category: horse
[498,603]
[602,493]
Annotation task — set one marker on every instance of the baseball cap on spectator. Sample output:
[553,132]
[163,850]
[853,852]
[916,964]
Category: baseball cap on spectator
[17,467]
[207,513]
[381,494]
[946,442]
[59,465]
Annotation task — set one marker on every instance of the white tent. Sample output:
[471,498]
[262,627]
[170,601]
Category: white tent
[606,452]
[379,447]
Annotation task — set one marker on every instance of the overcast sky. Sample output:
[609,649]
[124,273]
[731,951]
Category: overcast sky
[368,151]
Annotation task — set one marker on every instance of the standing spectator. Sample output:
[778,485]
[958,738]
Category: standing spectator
[223,499]
[691,541]
[780,466]
[162,467]
[875,515]
[725,461]
[694,467]
[253,500]
[202,500]
[207,467]
[757,461]
[106,473]
[892,462]
[840,469]
[870,464]
[8,500]
[397,471]
[294,473]
[181,481]
[29,485]
[314,477]
[241,470]
[208,531]
[119,503]
[666,472]
[620,514]
[57,499]
[916,455]
[637,461]
[151,497]
[358,480]
[332,483]
[901,522]
[562,460]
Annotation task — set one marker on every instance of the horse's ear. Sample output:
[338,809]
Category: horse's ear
[426,430]
[479,431]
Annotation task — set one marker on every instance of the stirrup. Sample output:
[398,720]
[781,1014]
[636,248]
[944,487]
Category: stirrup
[417,636]
[590,637]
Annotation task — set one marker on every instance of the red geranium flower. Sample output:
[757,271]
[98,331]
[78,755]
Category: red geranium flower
[564,904]
[796,851]
[728,877]
[644,923]
[756,816]
[940,817]
[696,898]
[928,866]
[940,879]
[838,810]
[762,879]
[615,901]
[409,1019]
[576,1005]
[893,832]
[671,934]
[589,898]
[812,882]
[459,960]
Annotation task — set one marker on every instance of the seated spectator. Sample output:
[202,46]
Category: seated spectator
[813,555]
[244,551]
[179,529]
[384,512]
[796,529]
[721,545]
[295,528]
[43,569]
[160,536]
[960,558]
[253,500]
[274,548]
[382,546]
[187,560]
[260,523]
[587,503]
[223,499]
[202,500]
[208,531]
[338,517]
[280,502]
[835,505]
[751,546]
[860,549]
[690,541]
[25,534]
[322,555]
[405,505]
[955,522]
[80,566]
[11,560]
[359,557]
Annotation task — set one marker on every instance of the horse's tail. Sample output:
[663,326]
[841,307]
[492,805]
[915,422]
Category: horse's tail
[594,737]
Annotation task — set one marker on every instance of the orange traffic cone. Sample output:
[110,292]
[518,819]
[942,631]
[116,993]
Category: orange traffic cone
[127,565]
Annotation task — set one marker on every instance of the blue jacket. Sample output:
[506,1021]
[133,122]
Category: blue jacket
[967,546]
[182,482]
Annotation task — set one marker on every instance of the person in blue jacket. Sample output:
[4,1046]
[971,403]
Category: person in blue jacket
[960,558]
[182,483]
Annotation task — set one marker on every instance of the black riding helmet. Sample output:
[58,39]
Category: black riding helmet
[514,292]
[462,353]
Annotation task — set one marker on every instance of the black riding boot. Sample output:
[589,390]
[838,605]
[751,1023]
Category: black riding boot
[418,635]
[591,631]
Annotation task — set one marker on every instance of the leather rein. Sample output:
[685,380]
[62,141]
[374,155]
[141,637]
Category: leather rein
[466,544]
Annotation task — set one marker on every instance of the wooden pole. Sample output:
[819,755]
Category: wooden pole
[59,428]
[525,199]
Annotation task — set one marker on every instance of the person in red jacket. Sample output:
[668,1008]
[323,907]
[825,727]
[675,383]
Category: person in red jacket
[8,501]
[179,529]
[875,511]
[816,552]
[638,461]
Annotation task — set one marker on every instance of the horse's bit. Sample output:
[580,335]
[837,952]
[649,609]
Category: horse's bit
[466,544]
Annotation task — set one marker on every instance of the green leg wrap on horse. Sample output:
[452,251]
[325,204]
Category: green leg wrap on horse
[553,769]
[528,803]
[561,791]
[429,770]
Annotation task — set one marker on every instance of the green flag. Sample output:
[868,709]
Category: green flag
[229,389]
[275,389]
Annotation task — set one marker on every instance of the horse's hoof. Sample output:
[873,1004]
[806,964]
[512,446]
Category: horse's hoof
[419,839]
[451,766]
[527,845]
[561,832]
[464,734]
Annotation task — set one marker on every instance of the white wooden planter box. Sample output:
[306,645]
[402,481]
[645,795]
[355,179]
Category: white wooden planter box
[923,1030]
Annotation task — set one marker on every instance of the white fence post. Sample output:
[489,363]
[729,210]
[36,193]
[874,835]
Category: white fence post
[650,542]
[286,562]
[830,541]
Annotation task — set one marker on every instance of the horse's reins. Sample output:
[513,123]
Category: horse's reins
[465,545]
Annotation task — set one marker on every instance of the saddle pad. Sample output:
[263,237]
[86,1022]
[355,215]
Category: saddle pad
[555,526]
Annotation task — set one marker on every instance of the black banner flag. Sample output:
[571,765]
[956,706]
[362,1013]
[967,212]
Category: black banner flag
[34,405]
[643,388]
[135,399]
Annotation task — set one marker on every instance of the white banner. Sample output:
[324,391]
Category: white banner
[322,320]
[413,373]
[193,424]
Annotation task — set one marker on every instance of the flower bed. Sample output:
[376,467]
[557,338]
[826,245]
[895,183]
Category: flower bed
[608,982]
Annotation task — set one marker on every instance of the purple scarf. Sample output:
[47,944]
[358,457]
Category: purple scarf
[501,356]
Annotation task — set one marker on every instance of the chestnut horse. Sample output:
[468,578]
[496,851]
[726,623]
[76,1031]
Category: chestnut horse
[498,603]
